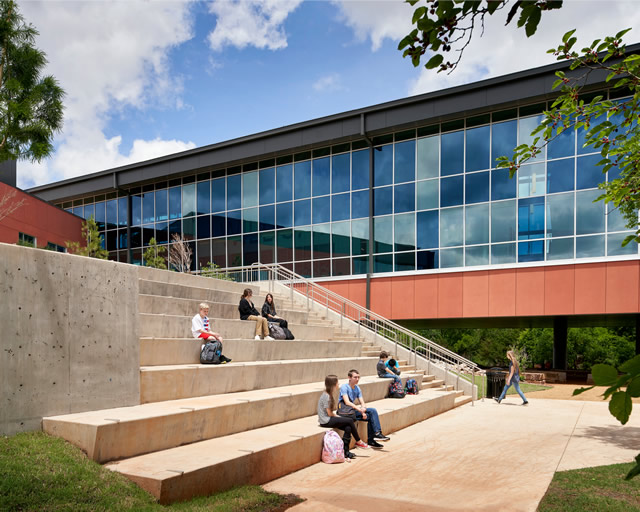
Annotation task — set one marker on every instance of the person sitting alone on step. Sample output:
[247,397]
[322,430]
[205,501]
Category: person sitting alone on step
[201,328]
[327,417]
[249,312]
[269,312]
[383,370]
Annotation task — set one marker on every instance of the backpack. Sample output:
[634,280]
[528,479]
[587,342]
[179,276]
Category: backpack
[332,448]
[396,390]
[210,353]
[411,387]
[276,332]
[289,335]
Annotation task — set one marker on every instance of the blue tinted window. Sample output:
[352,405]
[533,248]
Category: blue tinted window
[405,161]
[451,227]
[404,232]
[478,255]
[503,221]
[302,244]
[588,174]
[581,140]
[268,186]
[189,200]
[526,125]
[234,222]
[502,186]
[531,251]
[79,211]
[321,176]
[204,199]
[360,169]
[249,220]
[382,165]
[284,215]
[477,187]
[531,180]
[614,245]
[136,210]
[148,214]
[428,157]
[589,246]
[218,225]
[383,234]
[175,203]
[284,183]
[218,196]
[560,176]
[302,179]
[530,219]
[203,226]
[427,260]
[450,258]
[175,227]
[615,220]
[560,249]
[452,153]
[477,155]
[428,229]
[234,188]
[321,209]
[340,239]
[322,241]
[340,173]
[383,263]
[267,217]
[360,204]
[428,194]
[360,265]
[162,233]
[250,249]
[589,215]
[360,236]
[503,253]
[285,245]
[122,239]
[382,200]
[136,238]
[89,211]
[613,173]
[112,213]
[477,224]
[503,141]
[340,207]
[451,191]
[563,145]
[560,215]
[302,213]
[404,198]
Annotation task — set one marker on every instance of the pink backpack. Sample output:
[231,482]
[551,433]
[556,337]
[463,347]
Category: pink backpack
[332,448]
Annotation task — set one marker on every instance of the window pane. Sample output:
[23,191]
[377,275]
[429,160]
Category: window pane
[203,227]
[100,216]
[340,207]
[360,169]
[383,263]
[560,175]
[450,227]
[477,187]
[250,249]
[285,245]
[360,204]
[175,205]
[563,144]
[340,173]
[405,232]
[203,197]
[267,217]
[530,219]
[234,222]
[589,215]
[340,267]
[302,179]
[477,224]
[321,241]
[250,220]
[404,198]
[284,215]
[303,268]
[590,246]
[503,253]
[502,186]
[504,138]
[219,252]
[405,161]
[112,213]
[451,191]
[531,251]
[428,194]
[428,229]
[321,209]
[580,148]
[560,249]
[218,225]
[589,175]
[503,221]
[531,180]
[234,185]
[322,268]
[427,260]
[302,242]
[148,207]
[477,154]
[321,176]
[615,220]
[360,236]
[560,216]
[405,261]
[450,258]
[452,153]
[136,210]
[614,245]
[267,186]
[428,157]
[189,228]
[383,234]
[382,165]
[284,180]
[475,256]
[218,199]
[340,243]
[382,200]
[302,213]
[525,127]
[267,247]
[360,265]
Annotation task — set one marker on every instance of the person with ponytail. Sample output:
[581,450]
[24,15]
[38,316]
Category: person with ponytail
[329,419]
[513,379]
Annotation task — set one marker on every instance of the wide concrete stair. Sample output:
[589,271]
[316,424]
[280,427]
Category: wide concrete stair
[199,428]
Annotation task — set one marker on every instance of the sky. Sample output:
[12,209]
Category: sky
[146,78]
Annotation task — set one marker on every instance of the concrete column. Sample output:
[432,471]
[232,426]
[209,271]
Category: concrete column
[560,343]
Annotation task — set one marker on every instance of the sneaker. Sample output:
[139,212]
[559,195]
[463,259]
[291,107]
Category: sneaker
[362,444]
[227,359]
[374,444]
[268,338]
[222,361]
[349,455]
[525,402]
[257,337]
[496,399]
[381,437]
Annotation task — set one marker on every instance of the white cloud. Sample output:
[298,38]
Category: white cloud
[327,83]
[107,56]
[257,23]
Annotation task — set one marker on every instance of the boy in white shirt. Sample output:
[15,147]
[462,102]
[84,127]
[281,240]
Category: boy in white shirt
[201,328]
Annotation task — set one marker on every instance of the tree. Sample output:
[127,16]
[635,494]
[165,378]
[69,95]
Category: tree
[180,254]
[94,241]
[30,104]
[154,255]
[8,205]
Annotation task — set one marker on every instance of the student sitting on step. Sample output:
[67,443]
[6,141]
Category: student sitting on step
[201,328]
[249,312]
[385,371]
[329,419]
[269,312]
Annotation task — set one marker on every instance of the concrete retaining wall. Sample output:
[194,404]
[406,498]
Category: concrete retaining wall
[69,336]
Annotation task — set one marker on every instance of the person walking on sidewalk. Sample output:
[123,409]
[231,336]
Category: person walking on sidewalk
[513,379]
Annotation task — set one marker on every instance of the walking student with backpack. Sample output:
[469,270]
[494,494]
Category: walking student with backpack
[201,329]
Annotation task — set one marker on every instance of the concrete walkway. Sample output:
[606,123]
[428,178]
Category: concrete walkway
[487,457]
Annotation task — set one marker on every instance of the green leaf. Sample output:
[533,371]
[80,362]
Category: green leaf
[633,389]
[418,13]
[581,390]
[566,37]
[631,58]
[532,22]
[434,61]
[635,470]
[620,406]
[604,374]
[622,33]
[632,366]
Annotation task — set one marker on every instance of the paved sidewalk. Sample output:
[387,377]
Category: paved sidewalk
[487,457]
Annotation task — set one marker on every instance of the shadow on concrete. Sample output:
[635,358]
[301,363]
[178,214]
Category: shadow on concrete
[627,437]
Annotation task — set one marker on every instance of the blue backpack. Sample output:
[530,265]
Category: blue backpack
[411,387]
[396,390]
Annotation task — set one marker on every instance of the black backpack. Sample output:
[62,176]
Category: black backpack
[396,390]
[211,352]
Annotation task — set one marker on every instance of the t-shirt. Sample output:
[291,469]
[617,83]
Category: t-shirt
[198,323]
[323,405]
[382,368]
[354,393]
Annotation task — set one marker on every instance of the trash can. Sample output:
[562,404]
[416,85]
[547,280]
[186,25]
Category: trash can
[496,379]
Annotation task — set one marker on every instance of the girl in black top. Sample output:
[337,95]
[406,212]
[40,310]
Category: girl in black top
[269,311]
[249,312]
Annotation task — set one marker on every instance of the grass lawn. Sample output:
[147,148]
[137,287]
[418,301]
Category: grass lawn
[43,473]
[481,382]
[601,488]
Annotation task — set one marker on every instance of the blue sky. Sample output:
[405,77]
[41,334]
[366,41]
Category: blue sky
[145,79]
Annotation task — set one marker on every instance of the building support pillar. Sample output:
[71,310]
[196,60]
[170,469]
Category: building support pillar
[363,132]
[560,343]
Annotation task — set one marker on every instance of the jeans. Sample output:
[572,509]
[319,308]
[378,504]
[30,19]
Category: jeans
[516,384]
[373,422]
[390,376]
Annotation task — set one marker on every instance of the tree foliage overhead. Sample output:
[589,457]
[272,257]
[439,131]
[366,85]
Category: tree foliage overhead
[445,28]
[30,104]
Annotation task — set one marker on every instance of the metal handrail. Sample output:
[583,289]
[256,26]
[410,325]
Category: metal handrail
[418,346]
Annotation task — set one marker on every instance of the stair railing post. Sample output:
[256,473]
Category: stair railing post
[307,297]
[291,288]
[395,335]
[341,317]
[473,384]
[358,323]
